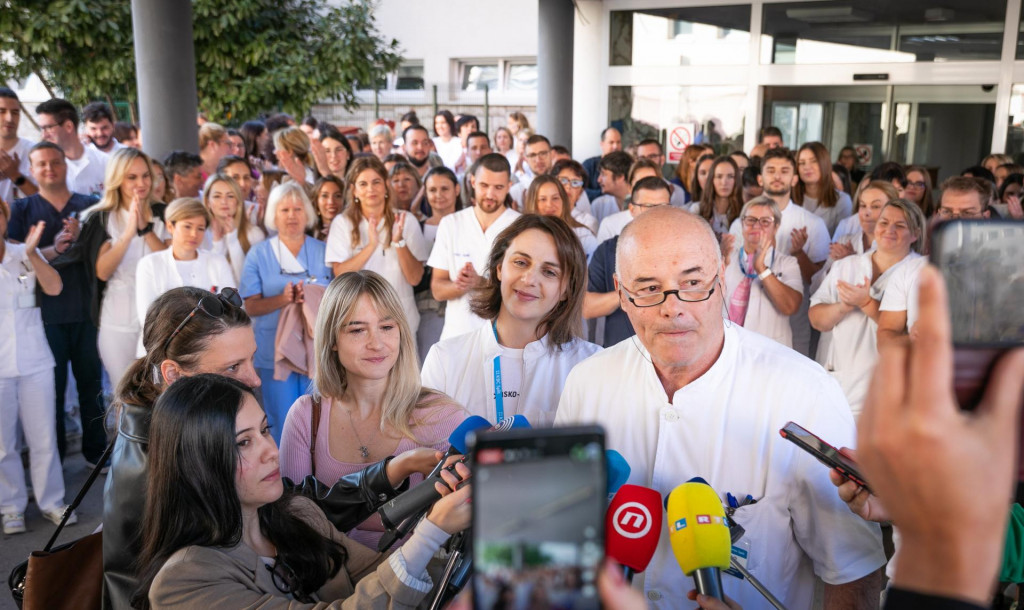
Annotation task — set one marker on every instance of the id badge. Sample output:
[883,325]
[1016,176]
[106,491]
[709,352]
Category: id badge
[26,301]
[740,553]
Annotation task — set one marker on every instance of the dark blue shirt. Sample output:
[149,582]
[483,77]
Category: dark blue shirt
[602,267]
[72,304]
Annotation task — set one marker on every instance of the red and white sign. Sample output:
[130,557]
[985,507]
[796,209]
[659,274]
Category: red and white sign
[679,137]
[865,152]
[632,520]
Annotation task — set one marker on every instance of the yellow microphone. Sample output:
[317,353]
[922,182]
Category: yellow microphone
[699,534]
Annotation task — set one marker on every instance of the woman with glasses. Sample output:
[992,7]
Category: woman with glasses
[815,189]
[547,197]
[249,543]
[26,382]
[333,152]
[372,234]
[368,402]
[532,294]
[231,234]
[919,189]
[129,226]
[763,284]
[573,177]
[183,263]
[275,275]
[847,302]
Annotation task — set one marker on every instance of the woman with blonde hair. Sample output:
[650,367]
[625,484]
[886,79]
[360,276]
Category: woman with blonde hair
[517,122]
[815,190]
[125,214]
[292,149]
[231,234]
[547,197]
[368,403]
[371,234]
[275,275]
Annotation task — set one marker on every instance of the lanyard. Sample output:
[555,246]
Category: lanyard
[743,268]
[498,402]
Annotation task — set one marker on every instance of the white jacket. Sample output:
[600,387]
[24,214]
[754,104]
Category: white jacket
[158,272]
[463,367]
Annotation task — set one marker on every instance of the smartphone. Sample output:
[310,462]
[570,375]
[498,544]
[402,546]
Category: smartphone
[539,498]
[980,262]
[825,453]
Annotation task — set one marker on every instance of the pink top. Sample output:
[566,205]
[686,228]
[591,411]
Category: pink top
[433,426]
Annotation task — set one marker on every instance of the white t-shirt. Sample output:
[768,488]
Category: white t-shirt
[463,367]
[853,349]
[449,151]
[9,192]
[833,215]
[583,205]
[86,174]
[585,218]
[604,206]
[762,317]
[24,349]
[383,260]
[460,240]
[613,225]
[724,427]
[901,293]
[511,378]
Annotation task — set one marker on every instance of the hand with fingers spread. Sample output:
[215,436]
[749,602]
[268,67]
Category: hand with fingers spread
[945,475]
[1013,207]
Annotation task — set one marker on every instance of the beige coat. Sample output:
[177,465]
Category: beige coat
[207,577]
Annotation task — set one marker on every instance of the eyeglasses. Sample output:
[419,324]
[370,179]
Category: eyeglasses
[573,183]
[646,206]
[212,306]
[283,577]
[654,299]
[45,128]
[970,213]
[917,184]
[539,155]
[751,221]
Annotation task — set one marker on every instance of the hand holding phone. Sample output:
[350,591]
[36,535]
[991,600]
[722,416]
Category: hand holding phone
[823,452]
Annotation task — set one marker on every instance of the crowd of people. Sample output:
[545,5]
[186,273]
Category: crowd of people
[352,297]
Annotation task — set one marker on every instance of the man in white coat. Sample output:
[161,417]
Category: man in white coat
[694,395]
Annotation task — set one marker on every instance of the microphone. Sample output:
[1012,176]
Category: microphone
[457,439]
[618,472]
[699,534]
[424,495]
[632,527]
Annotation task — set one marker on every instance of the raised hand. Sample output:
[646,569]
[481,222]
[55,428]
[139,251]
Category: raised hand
[838,251]
[798,238]
[854,295]
[34,235]
[398,227]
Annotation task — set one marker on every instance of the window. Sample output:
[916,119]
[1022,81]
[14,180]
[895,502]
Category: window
[497,75]
[409,77]
[521,77]
[477,77]
[703,36]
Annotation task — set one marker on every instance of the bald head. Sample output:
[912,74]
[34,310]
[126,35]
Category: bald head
[663,230]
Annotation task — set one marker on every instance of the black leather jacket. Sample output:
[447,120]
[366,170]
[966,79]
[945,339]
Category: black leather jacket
[347,503]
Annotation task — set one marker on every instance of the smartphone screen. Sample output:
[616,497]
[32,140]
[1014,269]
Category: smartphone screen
[825,453]
[538,518]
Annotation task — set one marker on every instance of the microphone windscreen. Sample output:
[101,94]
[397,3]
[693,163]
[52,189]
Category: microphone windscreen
[457,438]
[633,526]
[516,421]
[618,471]
[697,528]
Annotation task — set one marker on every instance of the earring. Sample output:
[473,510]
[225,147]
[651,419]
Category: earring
[355,200]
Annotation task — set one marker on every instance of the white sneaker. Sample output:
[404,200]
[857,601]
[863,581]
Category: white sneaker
[14,523]
[55,515]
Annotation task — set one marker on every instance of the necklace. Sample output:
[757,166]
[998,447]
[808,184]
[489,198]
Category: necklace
[363,450]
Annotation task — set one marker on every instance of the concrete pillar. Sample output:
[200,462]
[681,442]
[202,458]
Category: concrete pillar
[590,106]
[556,24]
[165,65]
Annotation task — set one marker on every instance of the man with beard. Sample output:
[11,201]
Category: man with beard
[99,127]
[15,180]
[464,241]
[800,234]
[416,144]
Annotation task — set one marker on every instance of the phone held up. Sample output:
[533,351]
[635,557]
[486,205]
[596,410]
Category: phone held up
[538,517]
[823,452]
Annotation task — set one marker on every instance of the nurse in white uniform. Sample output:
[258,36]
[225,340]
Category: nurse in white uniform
[231,233]
[847,303]
[26,381]
[547,196]
[371,235]
[130,230]
[532,300]
[183,264]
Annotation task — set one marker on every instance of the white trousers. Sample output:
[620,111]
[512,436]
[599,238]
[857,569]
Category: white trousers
[29,399]
[117,351]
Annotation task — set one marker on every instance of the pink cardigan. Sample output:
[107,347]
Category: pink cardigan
[433,426]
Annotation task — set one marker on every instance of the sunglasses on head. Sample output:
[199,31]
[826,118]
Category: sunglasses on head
[211,305]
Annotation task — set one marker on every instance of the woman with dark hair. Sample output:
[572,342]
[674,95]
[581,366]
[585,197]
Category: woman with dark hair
[220,531]
[406,184]
[815,190]
[841,179]
[1010,192]
[547,197]
[721,202]
[532,294]
[441,192]
[329,201]
[919,189]
[332,153]
[446,141]
[686,167]
[255,135]
[189,331]
[699,180]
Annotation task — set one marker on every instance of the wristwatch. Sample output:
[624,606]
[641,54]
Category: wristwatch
[764,274]
[400,243]
[20,180]
[146,229]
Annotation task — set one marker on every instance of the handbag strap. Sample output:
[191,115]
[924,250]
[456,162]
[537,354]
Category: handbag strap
[314,427]
[81,494]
